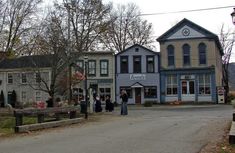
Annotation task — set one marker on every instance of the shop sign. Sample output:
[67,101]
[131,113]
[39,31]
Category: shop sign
[137,77]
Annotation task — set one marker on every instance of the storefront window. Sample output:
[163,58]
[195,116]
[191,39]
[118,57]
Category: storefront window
[204,84]
[171,85]
[104,92]
[150,92]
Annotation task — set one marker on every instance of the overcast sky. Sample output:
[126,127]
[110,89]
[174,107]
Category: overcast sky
[212,20]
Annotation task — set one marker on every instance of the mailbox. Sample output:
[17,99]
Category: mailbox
[220,93]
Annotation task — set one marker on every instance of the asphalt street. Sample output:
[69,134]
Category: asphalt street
[163,129]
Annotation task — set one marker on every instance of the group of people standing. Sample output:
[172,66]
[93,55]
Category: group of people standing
[109,106]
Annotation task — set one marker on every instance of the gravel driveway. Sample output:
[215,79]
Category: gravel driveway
[162,129]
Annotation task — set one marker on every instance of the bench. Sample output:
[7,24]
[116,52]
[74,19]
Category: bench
[41,114]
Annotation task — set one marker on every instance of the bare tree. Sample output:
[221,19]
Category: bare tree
[227,40]
[52,42]
[17,19]
[88,20]
[127,28]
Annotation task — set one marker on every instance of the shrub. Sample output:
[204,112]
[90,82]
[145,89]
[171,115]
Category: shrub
[148,103]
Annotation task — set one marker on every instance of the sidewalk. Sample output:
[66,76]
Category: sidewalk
[168,106]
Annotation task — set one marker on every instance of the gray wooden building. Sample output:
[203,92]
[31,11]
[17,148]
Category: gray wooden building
[137,71]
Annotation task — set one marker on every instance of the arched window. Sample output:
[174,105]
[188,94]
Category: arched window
[202,53]
[171,55]
[186,54]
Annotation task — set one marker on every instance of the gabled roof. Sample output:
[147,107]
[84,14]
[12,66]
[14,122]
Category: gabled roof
[137,45]
[189,23]
[41,61]
[137,85]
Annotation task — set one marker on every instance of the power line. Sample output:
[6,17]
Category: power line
[185,11]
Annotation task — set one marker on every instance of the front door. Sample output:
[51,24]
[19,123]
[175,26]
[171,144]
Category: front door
[188,90]
[138,95]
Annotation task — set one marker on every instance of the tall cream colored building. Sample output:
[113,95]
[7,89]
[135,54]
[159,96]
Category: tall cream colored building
[191,63]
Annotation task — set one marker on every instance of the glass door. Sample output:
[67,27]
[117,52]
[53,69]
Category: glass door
[188,90]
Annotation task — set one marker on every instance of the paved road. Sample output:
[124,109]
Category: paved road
[164,129]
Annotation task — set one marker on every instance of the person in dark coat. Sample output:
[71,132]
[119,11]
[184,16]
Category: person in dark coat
[98,107]
[108,104]
[124,98]
[49,102]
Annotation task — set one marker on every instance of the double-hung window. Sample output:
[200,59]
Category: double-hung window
[38,96]
[92,68]
[136,64]
[186,55]
[170,55]
[104,67]
[202,53]
[23,78]
[150,64]
[124,64]
[9,78]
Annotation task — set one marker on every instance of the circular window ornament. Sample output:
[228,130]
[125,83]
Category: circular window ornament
[185,32]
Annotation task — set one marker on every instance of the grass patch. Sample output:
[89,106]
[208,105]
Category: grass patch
[7,124]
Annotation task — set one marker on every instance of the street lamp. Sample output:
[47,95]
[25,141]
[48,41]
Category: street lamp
[86,92]
[233,16]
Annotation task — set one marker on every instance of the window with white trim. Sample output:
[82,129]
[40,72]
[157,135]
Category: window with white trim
[38,96]
[92,68]
[171,85]
[150,64]
[104,67]
[150,92]
[10,78]
[171,55]
[23,78]
[204,84]
[104,92]
[202,53]
[186,54]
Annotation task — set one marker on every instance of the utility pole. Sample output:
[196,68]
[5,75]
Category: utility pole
[86,90]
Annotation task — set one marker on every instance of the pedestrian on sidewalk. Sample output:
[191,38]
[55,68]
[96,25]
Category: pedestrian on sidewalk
[124,98]
[98,107]
[108,104]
